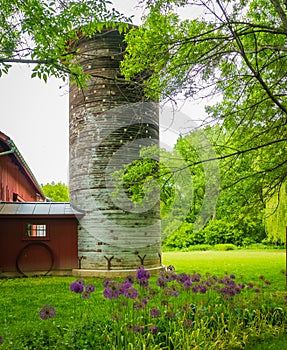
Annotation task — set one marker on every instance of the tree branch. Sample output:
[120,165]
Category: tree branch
[25,61]
[256,74]
[237,153]
[280,12]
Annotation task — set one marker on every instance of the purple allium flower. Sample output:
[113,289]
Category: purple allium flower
[142,276]
[202,289]
[113,290]
[167,276]
[256,290]
[250,285]
[208,283]
[196,277]
[152,292]
[131,293]
[188,323]
[127,284]
[111,294]
[195,289]
[171,291]
[187,284]
[90,288]
[169,315]
[129,327]
[154,312]
[115,316]
[232,276]
[238,289]
[170,268]
[138,329]
[142,273]
[86,295]
[139,305]
[76,287]
[153,329]
[164,303]
[123,304]
[226,280]
[182,277]
[214,278]
[267,283]
[130,279]
[46,312]
[161,282]
[107,281]
[143,282]
[81,281]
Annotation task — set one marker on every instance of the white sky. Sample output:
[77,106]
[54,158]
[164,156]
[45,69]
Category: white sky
[34,114]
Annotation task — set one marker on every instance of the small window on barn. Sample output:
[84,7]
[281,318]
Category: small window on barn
[36,230]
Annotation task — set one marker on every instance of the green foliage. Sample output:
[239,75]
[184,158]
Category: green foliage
[225,247]
[184,237]
[56,192]
[198,247]
[224,231]
[221,231]
[42,31]
[237,52]
[233,230]
[275,216]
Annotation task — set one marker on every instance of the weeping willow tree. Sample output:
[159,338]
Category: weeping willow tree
[275,216]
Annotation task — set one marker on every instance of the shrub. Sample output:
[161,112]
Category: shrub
[183,237]
[201,247]
[238,232]
[226,246]
[221,232]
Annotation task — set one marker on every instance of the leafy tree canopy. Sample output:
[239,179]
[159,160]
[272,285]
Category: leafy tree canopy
[41,32]
[236,49]
[275,216]
[57,192]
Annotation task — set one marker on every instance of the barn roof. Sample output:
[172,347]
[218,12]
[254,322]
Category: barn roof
[39,209]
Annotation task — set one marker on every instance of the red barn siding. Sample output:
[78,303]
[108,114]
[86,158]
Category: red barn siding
[61,241]
[17,183]
[14,182]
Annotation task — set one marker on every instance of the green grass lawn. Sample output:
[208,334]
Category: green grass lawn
[22,298]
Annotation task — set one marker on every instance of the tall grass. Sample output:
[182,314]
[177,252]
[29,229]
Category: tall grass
[174,316]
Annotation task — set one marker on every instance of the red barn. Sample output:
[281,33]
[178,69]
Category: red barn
[17,183]
[38,238]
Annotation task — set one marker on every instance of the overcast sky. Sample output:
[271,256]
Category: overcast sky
[34,114]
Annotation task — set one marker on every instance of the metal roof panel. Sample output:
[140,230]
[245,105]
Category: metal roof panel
[25,208]
[42,209]
[38,208]
[57,208]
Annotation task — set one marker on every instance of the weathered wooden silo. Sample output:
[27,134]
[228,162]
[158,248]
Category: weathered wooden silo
[110,121]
